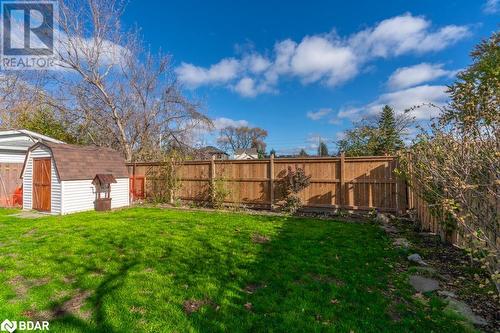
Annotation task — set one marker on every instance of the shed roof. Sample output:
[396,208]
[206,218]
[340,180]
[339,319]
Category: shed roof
[84,162]
[22,140]
[212,150]
[248,151]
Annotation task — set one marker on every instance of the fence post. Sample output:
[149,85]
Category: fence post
[271,181]
[398,188]
[212,170]
[342,180]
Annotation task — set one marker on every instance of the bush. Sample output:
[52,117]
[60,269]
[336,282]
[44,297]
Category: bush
[218,193]
[455,165]
[164,180]
[290,184]
[292,204]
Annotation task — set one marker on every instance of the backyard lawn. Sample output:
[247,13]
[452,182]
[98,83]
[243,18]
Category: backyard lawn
[154,270]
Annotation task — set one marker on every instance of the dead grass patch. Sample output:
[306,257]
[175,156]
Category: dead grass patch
[193,305]
[327,279]
[252,288]
[260,239]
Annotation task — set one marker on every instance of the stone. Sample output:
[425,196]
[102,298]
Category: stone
[446,293]
[389,229]
[422,284]
[382,218]
[401,242]
[465,310]
[416,258]
[425,269]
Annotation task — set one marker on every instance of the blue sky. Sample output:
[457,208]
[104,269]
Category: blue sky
[307,69]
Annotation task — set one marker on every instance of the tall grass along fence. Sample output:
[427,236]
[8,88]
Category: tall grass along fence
[351,183]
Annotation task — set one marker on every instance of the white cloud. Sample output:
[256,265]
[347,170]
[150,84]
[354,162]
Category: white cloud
[423,96]
[327,58]
[405,77]
[316,115]
[317,57]
[256,63]
[222,122]
[491,7]
[195,76]
[248,87]
[404,34]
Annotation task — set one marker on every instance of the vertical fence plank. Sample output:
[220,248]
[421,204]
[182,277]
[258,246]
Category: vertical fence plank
[342,181]
[271,182]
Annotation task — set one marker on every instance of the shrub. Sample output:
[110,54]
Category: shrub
[455,165]
[290,184]
[218,193]
[164,180]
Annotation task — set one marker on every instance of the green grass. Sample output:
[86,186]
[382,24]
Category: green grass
[132,270]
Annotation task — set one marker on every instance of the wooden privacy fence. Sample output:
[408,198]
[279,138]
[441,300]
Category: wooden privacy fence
[354,183]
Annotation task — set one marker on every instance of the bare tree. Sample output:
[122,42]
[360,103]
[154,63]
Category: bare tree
[20,93]
[232,138]
[122,94]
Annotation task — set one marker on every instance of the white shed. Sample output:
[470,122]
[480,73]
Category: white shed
[57,178]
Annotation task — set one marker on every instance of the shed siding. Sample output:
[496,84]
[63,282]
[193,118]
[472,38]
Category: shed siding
[55,191]
[11,157]
[79,195]
[120,193]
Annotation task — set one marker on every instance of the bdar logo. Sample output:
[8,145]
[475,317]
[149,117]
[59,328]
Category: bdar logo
[8,325]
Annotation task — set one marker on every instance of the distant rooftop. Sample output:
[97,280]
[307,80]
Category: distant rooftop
[21,140]
[248,151]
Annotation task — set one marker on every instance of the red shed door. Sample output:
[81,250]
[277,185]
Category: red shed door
[41,184]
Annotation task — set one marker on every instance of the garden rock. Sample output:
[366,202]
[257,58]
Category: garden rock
[389,229]
[422,284]
[446,293]
[416,258]
[464,310]
[382,218]
[426,269]
[401,242]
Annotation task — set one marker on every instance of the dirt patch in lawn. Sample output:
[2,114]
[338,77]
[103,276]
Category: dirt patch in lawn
[252,288]
[22,285]
[68,279]
[327,279]
[72,306]
[260,239]
[193,305]
[30,232]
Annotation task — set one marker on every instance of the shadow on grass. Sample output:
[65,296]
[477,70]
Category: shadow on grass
[311,275]
[109,284]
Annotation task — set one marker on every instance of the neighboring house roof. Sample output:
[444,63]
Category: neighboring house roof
[248,151]
[21,140]
[212,150]
[84,162]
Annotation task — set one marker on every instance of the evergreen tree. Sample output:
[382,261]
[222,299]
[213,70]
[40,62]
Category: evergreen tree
[322,149]
[303,153]
[389,139]
[272,152]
